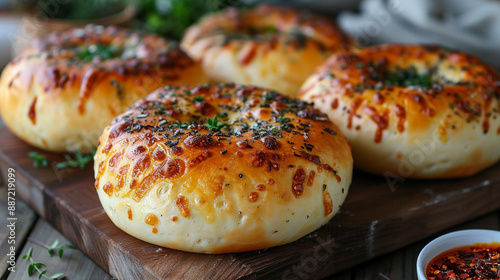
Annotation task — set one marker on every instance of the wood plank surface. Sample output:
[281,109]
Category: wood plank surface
[25,220]
[375,219]
[401,264]
[74,264]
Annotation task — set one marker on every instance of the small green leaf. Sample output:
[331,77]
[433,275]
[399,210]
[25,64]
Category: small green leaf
[32,154]
[198,98]
[324,187]
[69,246]
[31,269]
[57,275]
[60,253]
[55,243]
[28,255]
[61,165]
[39,265]
[51,251]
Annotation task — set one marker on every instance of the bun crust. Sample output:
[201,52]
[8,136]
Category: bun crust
[412,111]
[268,46]
[64,89]
[169,174]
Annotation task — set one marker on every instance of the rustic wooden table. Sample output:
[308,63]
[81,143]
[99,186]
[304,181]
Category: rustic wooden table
[32,230]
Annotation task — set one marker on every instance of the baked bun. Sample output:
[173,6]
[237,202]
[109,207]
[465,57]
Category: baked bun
[412,111]
[266,172]
[64,89]
[268,46]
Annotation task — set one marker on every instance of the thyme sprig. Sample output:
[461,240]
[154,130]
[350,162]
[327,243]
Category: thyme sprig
[180,124]
[214,125]
[38,159]
[40,267]
[76,160]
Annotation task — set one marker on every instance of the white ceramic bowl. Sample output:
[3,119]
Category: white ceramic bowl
[450,241]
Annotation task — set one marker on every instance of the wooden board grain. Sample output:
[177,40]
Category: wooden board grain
[73,263]
[376,219]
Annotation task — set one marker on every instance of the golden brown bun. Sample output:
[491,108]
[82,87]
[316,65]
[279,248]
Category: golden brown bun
[274,47]
[58,95]
[412,111]
[279,171]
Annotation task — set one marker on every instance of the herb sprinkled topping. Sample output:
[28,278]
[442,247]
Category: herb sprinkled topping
[214,125]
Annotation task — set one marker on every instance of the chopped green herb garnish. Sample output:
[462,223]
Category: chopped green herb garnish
[360,64]
[180,124]
[324,187]
[282,119]
[198,98]
[98,50]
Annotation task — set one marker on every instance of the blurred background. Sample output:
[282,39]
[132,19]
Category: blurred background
[471,26]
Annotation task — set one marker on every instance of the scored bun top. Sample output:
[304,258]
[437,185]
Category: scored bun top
[221,168]
[82,78]
[270,46]
[410,110]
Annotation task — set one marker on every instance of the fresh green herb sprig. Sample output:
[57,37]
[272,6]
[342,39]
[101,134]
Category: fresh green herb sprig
[180,124]
[40,267]
[55,246]
[214,125]
[78,160]
[38,159]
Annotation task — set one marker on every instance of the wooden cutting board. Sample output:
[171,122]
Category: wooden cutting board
[375,219]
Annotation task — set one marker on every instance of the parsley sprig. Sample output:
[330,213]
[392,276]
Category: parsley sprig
[40,267]
[38,159]
[214,125]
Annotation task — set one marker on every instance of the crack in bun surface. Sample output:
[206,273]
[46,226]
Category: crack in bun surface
[61,91]
[269,46]
[412,111]
[221,168]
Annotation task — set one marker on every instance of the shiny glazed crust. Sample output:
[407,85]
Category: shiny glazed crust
[269,46]
[58,94]
[277,171]
[412,111]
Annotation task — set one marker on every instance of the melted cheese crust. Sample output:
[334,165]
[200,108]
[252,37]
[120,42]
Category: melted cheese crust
[447,126]
[65,88]
[268,46]
[269,170]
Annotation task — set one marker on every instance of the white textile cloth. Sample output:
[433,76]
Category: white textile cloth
[472,26]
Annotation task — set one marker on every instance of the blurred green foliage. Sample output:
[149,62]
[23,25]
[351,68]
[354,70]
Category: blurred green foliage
[73,9]
[171,17]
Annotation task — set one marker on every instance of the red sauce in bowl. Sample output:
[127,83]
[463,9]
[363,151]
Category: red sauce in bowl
[471,262]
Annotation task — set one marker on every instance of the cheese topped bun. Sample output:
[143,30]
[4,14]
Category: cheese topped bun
[412,111]
[268,46]
[221,168]
[61,91]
